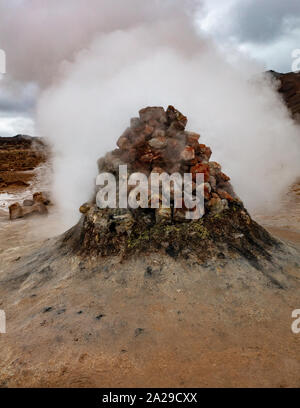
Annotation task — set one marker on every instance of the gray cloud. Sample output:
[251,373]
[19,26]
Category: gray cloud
[264,21]
[17,97]
[266,30]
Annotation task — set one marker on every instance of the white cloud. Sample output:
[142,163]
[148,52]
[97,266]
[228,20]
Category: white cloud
[11,126]
[266,30]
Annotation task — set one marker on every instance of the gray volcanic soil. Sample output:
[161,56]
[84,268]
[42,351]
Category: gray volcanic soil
[149,320]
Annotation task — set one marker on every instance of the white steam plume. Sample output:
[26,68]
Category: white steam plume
[157,62]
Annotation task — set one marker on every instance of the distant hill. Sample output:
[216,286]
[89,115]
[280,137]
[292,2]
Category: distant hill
[20,141]
[19,156]
[290,90]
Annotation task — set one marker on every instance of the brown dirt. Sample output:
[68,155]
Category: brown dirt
[289,88]
[146,321]
[19,156]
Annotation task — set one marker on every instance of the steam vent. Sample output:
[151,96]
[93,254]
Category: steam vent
[157,142]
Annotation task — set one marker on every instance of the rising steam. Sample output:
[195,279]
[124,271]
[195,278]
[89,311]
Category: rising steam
[127,55]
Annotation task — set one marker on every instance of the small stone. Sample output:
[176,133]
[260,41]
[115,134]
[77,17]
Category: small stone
[223,176]
[214,168]
[148,130]
[41,198]
[192,136]
[213,182]
[15,211]
[223,194]
[129,156]
[159,133]
[192,140]
[208,153]
[135,123]
[217,205]
[187,154]
[176,117]
[154,113]
[159,142]
[207,191]
[139,141]
[123,143]
[201,168]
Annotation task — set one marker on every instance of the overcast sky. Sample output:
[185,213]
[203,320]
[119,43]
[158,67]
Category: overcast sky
[266,30]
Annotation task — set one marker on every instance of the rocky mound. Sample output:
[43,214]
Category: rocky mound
[157,142]
[21,153]
[144,298]
[290,89]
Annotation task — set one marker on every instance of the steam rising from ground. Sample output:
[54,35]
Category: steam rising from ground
[157,62]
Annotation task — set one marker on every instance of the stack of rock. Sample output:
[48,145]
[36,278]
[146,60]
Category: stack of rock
[157,142]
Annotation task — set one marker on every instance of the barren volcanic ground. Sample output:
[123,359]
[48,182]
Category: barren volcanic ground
[148,321]
[152,318]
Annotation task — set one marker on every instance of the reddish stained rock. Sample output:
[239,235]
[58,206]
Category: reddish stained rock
[207,191]
[201,168]
[214,168]
[159,133]
[208,153]
[123,143]
[159,142]
[175,117]
[139,141]
[204,151]
[191,136]
[224,194]
[192,140]
[217,205]
[129,155]
[187,154]
[223,176]
[213,182]
[153,113]
[148,157]
[136,123]
[148,130]
[174,144]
